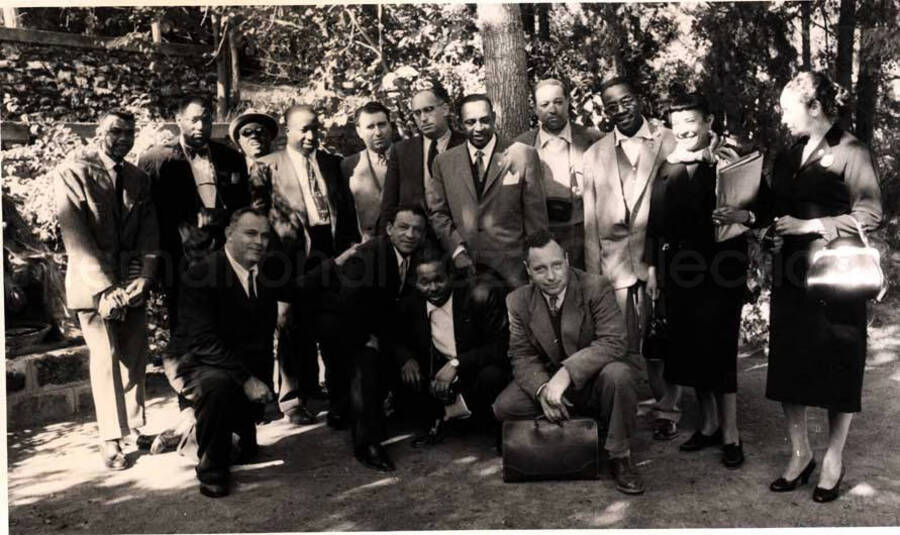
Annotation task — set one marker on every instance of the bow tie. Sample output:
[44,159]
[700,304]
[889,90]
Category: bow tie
[191,152]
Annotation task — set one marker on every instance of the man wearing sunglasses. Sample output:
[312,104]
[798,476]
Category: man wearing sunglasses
[253,133]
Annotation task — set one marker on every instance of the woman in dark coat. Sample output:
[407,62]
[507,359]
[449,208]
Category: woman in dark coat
[823,186]
[702,281]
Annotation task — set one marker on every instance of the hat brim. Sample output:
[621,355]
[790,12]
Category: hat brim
[268,122]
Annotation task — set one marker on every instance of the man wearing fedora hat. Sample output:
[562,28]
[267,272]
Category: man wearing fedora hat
[253,133]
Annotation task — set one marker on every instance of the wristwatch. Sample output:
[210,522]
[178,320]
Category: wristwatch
[454,363]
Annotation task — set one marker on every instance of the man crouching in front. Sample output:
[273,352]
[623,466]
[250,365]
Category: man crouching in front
[567,347]
[223,344]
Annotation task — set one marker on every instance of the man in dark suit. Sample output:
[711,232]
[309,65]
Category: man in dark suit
[108,226]
[361,289]
[412,159]
[223,346]
[560,144]
[451,347]
[365,171]
[485,196]
[311,210]
[196,184]
[567,347]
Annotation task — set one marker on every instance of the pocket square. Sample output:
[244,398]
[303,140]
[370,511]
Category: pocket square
[511,178]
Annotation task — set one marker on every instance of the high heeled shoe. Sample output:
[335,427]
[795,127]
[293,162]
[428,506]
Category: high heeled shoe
[783,485]
[821,495]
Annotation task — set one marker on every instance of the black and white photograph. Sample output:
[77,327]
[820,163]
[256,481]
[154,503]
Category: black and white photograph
[323,267]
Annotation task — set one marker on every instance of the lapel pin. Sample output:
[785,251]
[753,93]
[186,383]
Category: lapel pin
[827,160]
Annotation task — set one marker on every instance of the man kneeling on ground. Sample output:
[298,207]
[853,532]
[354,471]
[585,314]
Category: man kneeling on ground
[451,348]
[223,344]
[567,347]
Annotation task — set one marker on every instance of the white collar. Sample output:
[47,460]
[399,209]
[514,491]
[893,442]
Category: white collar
[184,147]
[239,270]
[441,141]
[561,295]
[564,134]
[294,153]
[397,254]
[446,307]
[107,161]
[488,150]
[643,132]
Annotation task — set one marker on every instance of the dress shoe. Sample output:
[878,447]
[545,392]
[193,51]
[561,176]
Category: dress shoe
[113,458]
[783,485]
[166,441]
[733,455]
[627,479]
[664,429]
[214,490]
[699,441]
[432,436]
[374,457]
[301,416]
[821,495]
[336,421]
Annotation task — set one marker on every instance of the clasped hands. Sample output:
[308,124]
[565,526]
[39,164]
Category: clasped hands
[440,386]
[114,301]
[551,396]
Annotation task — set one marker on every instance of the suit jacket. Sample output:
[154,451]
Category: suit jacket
[614,227]
[366,189]
[492,227]
[274,184]
[178,203]
[220,326]
[592,327]
[405,179]
[480,328]
[102,238]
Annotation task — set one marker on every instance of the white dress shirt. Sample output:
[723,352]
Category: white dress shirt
[487,152]
[631,145]
[204,175]
[379,164]
[442,334]
[299,161]
[554,154]
[242,273]
[109,164]
[560,298]
[442,143]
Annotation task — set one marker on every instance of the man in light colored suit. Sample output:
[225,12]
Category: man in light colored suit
[365,171]
[410,164]
[619,171]
[311,210]
[567,347]
[108,224]
[560,144]
[485,196]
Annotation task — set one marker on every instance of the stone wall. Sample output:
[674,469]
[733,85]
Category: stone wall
[48,387]
[60,78]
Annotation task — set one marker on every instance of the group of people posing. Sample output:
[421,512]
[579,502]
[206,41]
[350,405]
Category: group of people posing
[460,279]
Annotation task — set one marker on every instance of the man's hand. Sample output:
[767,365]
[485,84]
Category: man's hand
[284,311]
[411,375]
[137,290]
[791,226]
[443,378]
[652,284]
[343,257]
[257,391]
[551,397]
[463,263]
[726,215]
[112,303]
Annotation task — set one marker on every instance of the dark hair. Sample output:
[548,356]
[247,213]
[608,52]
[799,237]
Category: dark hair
[125,115]
[537,239]
[613,81]
[474,97]
[371,108]
[689,101]
[297,108]
[241,212]
[810,86]
[202,100]
[433,255]
[416,209]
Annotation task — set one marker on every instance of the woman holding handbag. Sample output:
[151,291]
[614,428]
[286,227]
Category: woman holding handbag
[824,187]
[701,281]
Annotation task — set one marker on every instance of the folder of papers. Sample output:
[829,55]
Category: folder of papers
[737,185]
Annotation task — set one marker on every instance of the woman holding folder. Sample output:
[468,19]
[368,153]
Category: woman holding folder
[824,186]
[701,281]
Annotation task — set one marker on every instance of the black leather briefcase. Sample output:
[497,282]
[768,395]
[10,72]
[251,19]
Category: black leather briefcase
[536,450]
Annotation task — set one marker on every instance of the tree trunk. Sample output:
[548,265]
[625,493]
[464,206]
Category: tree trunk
[543,11]
[806,13]
[234,55]
[614,39]
[505,66]
[11,17]
[877,14]
[221,70]
[844,62]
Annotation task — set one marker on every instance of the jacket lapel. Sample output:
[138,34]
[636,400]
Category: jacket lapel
[465,175]
[289,185]
[416,158]
[497,166]
[831,138]
[649,152]
[541,327]
[570,321]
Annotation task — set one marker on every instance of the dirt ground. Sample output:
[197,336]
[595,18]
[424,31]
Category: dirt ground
[307,480]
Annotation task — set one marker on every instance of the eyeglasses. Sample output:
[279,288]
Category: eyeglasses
[253,132]
[624,103]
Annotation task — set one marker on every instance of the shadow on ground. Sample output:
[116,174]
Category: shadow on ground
[307,480]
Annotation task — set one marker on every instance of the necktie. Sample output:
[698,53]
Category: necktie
[479,165]
[404,267]
[318,197]
[251,283]
[193,152]
[432,154]
[554,305]
[120,187]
